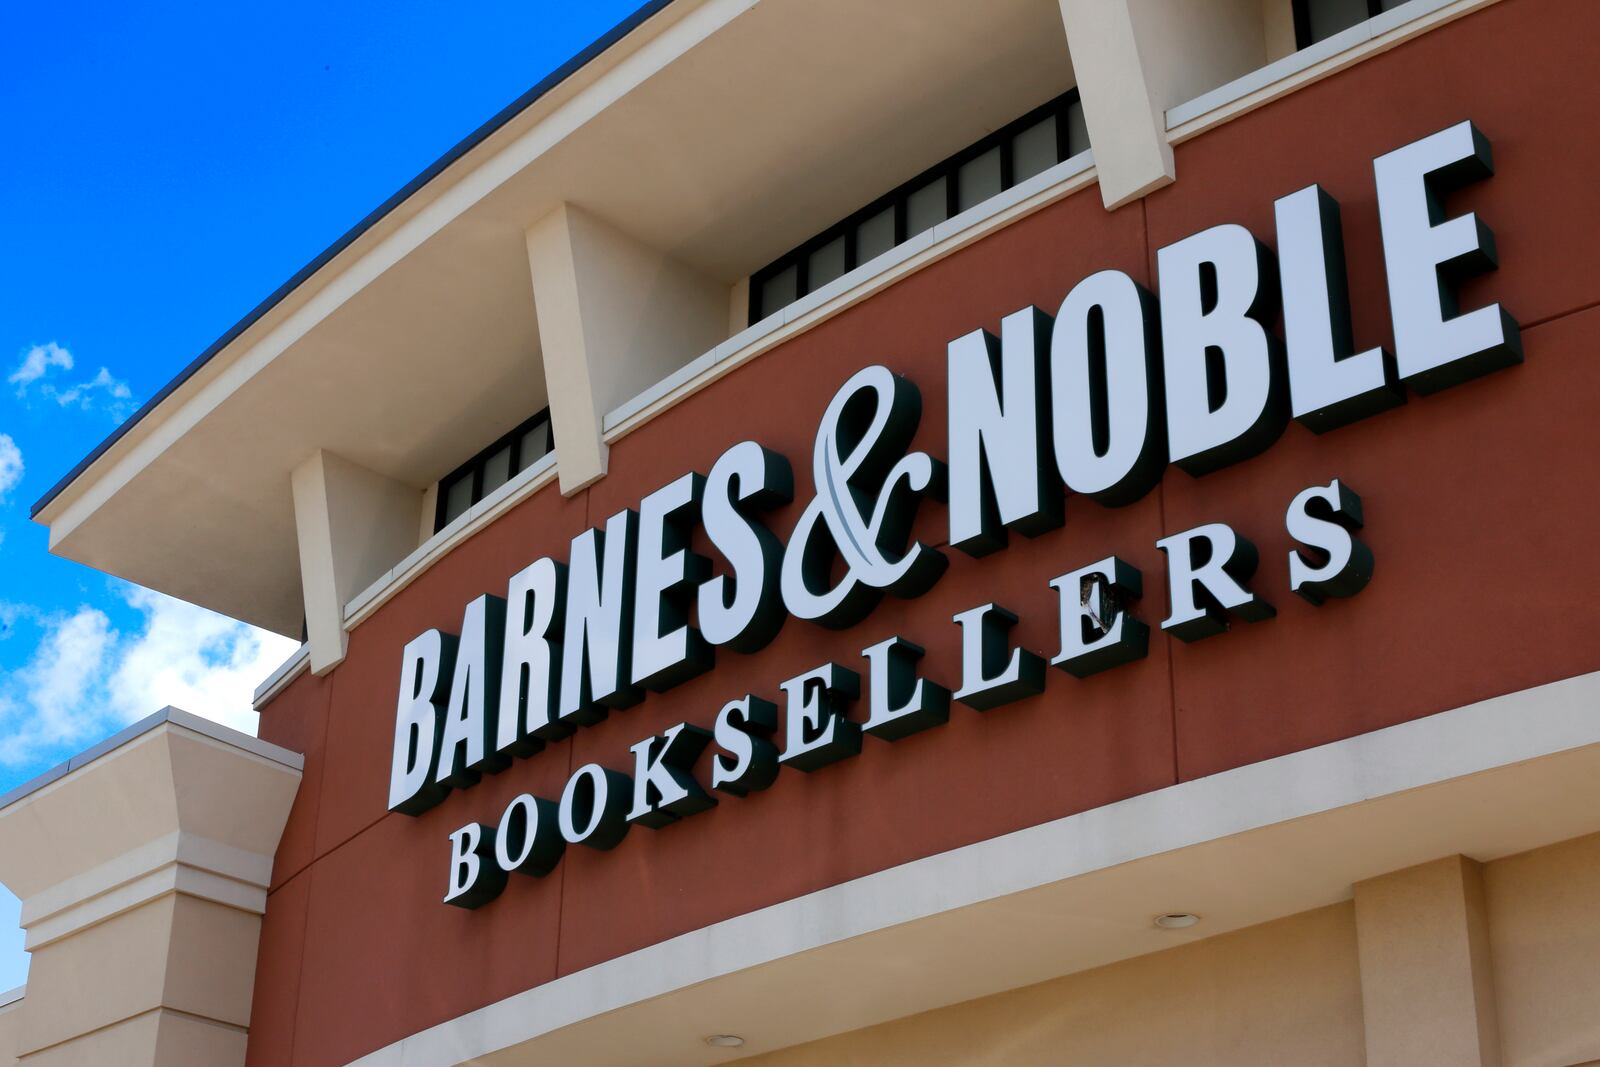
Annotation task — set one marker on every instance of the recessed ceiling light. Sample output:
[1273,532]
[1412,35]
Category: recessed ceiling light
[1176,920]
[725,1041]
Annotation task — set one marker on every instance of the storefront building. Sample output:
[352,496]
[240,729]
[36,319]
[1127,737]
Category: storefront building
[1043,531]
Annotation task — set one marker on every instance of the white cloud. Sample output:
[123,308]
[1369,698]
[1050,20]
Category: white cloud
[102,392]
[85,679]
[37,362]
[44,704]
[10,464]
[196,660]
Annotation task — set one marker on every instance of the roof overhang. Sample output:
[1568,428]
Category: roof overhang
[721,132]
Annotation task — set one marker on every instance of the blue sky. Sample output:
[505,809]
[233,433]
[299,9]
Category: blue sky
[167,166]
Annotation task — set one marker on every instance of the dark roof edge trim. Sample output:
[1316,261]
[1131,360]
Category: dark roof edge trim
[471,141]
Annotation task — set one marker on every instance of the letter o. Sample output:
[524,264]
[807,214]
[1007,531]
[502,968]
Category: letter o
[594,807]
[528,839]
[1106,390]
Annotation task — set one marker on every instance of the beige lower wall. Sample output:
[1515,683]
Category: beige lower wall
[1284,992]
[128,1043]
[211,965]
[176,972]
[1427,976]
[186,1039]
[159,1038]
[110,972]
[1544,936]
[10,1032]
[143,868]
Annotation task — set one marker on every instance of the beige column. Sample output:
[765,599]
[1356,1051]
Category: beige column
[352,525]
[1278,22]
[143,868]
[10,1025]
[615,316]
[1136,58]
[1427,982]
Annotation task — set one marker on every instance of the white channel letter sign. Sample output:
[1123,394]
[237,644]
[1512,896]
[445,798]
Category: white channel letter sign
[1096,399]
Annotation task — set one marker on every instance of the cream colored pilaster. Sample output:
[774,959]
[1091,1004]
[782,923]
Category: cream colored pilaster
[738,306]
[615,316]
[425,517]
[1427,982]
[143,871]
[1278,24]
[1136,58]
[10,1027]
[353,525]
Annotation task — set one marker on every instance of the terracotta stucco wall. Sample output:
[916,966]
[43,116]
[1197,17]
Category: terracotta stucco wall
[1481,530]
